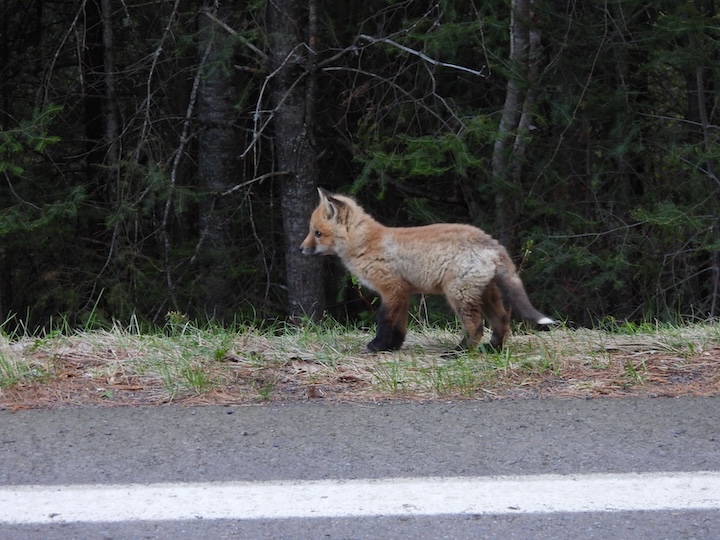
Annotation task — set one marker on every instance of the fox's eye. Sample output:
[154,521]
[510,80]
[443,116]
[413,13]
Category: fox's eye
[318,234]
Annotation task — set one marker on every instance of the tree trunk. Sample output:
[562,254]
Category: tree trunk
[93,82]
[509,148]
[700,112]
[702,74]
[293,97]
[112,125]
[218,145]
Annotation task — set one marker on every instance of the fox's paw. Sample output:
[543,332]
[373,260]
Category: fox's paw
[483,348]
[379,345]
[490,348]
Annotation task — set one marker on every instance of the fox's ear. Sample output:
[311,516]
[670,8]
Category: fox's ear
[331,204]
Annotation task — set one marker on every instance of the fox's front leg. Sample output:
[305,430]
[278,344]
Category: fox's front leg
[391,325]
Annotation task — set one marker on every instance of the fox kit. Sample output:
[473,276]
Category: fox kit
[469,267]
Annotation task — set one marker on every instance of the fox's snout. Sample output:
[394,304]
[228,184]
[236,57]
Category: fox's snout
[310,246]
[315,249]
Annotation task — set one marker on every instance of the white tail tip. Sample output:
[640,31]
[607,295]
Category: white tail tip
[546,320]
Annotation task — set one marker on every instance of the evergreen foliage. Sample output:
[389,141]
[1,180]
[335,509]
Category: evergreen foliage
[610,205]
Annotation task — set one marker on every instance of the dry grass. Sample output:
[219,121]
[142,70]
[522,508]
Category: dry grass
[195,366]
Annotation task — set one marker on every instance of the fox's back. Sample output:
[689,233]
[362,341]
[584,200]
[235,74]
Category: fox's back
[428,257]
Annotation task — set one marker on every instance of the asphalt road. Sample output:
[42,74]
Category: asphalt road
[316,441]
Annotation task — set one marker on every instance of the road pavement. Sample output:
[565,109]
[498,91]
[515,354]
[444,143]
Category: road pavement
[387,444]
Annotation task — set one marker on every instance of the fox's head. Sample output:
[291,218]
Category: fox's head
[328,225]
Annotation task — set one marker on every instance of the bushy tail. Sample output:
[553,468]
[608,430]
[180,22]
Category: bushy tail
[514,293]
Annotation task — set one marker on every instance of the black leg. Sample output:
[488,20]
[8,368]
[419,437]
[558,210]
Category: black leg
[390,334]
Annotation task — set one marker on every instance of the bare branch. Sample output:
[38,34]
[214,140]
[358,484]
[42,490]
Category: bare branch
[184,139]
[210,15]
[426,58]
[148,98]
[340,54]
[49,71]
[256,116]
[678,120]
[256,179]
[400,89]
[18,197]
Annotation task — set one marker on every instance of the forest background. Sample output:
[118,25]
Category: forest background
[161,157]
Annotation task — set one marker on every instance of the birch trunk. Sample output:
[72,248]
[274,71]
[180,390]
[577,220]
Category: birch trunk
[509,148]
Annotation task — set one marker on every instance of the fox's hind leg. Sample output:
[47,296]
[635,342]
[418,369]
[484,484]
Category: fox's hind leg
[391,322]
[498,317]
[469,311]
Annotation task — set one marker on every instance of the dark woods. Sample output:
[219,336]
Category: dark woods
[163,156]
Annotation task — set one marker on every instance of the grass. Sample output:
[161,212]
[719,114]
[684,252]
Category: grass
[185,363]
[15,369]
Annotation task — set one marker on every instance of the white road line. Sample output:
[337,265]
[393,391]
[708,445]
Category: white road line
[381,497]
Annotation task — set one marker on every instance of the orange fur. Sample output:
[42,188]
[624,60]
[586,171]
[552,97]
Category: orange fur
[468,266]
